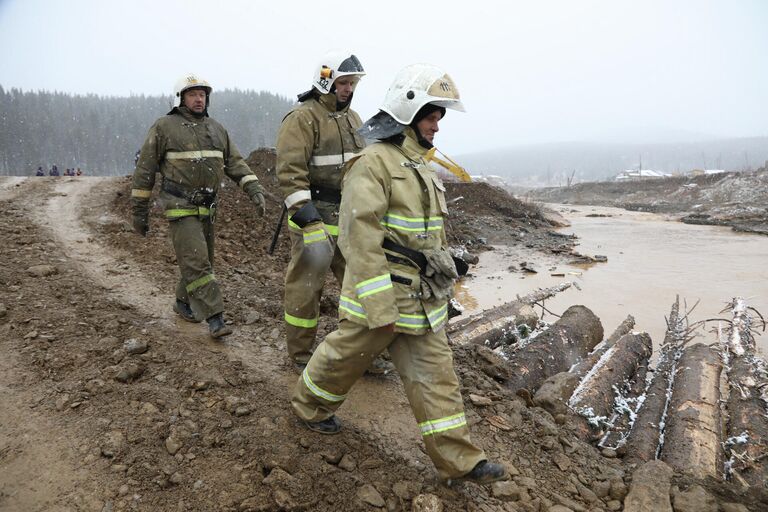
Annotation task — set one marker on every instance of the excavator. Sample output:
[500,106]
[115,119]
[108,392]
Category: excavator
[450,165]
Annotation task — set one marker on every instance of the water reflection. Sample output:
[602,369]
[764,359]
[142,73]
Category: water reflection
[650,261]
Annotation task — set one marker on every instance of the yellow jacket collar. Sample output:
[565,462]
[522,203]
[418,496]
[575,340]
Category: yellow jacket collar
[329,102]
[411,146]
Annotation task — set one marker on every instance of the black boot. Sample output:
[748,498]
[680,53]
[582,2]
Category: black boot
[184,311]
[485,472]
[328,426]
[217,327]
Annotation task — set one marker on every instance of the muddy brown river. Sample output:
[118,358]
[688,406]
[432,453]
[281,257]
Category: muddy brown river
[650,261]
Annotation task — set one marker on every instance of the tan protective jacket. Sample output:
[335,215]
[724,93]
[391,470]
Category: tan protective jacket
[313,146]
[193,153]
[390,192]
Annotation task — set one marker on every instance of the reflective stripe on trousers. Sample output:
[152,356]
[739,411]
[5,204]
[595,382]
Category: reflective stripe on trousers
[306,323]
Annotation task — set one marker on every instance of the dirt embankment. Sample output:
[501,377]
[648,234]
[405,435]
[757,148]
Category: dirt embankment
[739,200]
[111,403]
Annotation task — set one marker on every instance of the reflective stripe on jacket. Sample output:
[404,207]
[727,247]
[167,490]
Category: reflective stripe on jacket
[313,145]
[390,192]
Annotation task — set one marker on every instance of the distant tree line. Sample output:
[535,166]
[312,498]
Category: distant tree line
[101,134]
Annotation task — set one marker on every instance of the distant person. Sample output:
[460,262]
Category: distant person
[398,280]
[79,172]
[54,171]
[315,140]
[192,152]
[40,171]
[136,158]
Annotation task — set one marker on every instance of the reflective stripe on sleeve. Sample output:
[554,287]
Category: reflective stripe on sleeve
[193,155]
[351,307]
[140,192]
[177,213]
[373,285]
[332,230]
[437,317]
[306,323]
[318,391]
[431,427]
[331,159]
[197,283]
[297,197]
[247,179]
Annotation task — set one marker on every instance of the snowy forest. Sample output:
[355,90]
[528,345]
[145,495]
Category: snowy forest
[101,134]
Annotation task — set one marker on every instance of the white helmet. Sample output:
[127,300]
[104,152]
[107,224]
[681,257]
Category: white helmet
[333,65]
[415,86]
[189,81]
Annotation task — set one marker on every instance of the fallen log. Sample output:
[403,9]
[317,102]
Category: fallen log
[644,437]
[747,426]
[595,398]
[555,350]
[555,392]
[693,433]
[501,325]
[582,367]
[626,411]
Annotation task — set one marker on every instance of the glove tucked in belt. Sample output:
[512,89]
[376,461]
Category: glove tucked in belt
[439,274]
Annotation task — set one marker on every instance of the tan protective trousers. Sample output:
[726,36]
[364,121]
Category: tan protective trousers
[304,281]
[425,365]
[192,239]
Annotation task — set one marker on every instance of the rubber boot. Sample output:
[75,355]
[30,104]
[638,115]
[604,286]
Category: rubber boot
[184,311]
[217,327]
[485,472]
[328,426]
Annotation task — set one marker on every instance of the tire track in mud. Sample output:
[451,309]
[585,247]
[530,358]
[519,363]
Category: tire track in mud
[60,214]
[10,186]
[39,468]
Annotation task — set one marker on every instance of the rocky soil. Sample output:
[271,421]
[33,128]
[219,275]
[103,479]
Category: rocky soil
[111,403]
[739,200]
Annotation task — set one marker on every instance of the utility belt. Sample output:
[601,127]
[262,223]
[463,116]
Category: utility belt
[329,195]
[198,197]
[415,258]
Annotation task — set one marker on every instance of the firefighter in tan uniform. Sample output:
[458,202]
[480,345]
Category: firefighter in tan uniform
[192,153]
[315,141]
[398,280]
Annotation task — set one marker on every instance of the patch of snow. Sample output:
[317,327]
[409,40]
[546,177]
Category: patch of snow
[576,396]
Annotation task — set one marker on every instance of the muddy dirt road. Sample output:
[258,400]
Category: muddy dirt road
[110,403]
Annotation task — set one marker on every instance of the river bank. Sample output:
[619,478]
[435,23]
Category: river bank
[734,199]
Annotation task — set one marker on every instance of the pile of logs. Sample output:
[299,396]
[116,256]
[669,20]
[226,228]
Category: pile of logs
[672,412]
[747,426]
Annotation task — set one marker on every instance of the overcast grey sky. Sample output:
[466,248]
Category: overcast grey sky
[528,72]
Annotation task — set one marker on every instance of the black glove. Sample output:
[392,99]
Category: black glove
[306,215]
[141,224]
